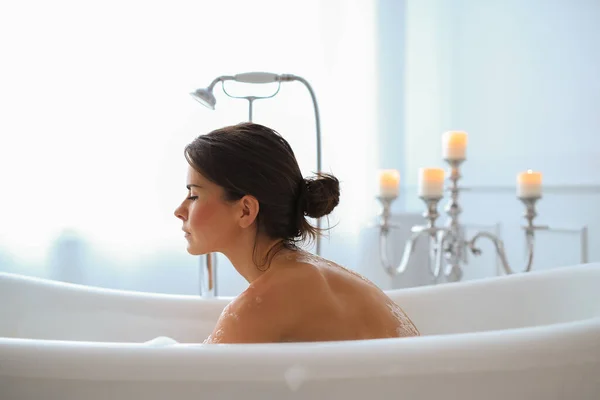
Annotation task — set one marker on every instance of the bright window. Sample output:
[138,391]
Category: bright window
[96,112]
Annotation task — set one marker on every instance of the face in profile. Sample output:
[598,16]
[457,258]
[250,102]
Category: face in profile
[208,220]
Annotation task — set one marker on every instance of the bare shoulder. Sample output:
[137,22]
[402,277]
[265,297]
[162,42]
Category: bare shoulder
[247,319]
[268,309]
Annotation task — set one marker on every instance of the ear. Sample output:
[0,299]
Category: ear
[249,208]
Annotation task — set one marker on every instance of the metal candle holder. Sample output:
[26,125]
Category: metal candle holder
[448,243]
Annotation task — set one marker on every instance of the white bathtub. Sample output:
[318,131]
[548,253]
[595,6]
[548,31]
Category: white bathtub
[527,336]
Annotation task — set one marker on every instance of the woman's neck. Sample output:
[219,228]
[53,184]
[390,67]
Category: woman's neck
[252,258]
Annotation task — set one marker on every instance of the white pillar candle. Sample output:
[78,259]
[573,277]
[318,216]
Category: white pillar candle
[454,145]
[389,182]
[431,182]
[529,184]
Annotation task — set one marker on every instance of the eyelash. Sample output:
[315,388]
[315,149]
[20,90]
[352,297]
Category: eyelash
[192,198]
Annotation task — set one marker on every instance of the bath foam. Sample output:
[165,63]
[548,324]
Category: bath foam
[295,377]
[161,341]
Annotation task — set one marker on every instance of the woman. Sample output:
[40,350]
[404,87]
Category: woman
[248,200]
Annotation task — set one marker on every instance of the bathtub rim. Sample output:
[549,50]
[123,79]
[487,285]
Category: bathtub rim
[562,344]
[585,268]
[570,343]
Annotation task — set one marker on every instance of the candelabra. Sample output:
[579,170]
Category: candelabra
[449,244]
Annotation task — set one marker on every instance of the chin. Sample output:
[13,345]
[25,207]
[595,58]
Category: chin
[194,251]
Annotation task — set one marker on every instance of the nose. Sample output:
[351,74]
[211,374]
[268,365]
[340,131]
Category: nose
[181,212]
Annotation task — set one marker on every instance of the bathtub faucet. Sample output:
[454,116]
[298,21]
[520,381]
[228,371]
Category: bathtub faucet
[448,244]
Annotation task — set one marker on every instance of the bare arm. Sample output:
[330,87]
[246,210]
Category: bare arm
[247,319]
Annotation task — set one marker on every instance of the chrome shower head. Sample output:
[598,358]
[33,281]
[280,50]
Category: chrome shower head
[205,97]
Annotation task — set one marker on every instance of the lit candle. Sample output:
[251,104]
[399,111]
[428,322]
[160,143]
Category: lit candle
[389,182]
[454,145]
[529,184]
[431,182]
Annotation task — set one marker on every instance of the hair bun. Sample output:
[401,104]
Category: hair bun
[322,196]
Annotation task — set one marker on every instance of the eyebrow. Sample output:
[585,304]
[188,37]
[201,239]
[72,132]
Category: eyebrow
[191,185]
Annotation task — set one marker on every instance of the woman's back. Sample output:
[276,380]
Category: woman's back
[306,298]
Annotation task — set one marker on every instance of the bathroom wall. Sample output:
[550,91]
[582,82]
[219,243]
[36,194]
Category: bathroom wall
[520,77]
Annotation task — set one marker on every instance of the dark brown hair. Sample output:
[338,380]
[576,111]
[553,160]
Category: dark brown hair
[252,159]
